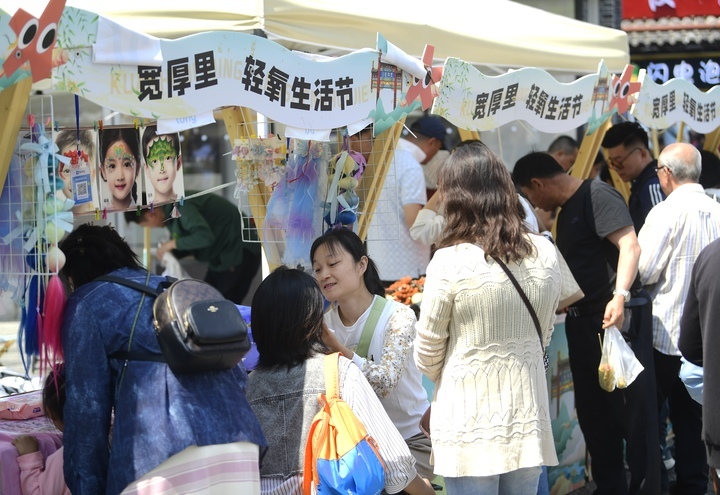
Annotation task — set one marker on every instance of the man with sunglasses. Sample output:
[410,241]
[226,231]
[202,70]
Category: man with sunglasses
[628,154]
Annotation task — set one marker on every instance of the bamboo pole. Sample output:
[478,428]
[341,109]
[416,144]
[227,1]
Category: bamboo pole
[712,141]
[373,179]
[13,102]
[466,134]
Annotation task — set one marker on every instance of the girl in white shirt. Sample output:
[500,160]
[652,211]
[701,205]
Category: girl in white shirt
[350,281]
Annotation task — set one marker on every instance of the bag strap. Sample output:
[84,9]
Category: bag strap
[524,298]
[332,373]
[369,328]
[145,289]
[137,285]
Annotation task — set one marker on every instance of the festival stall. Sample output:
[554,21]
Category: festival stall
[286,113]
[478,102]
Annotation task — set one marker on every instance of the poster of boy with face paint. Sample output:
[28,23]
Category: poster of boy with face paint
[79,175]
[163,166]
[119,168]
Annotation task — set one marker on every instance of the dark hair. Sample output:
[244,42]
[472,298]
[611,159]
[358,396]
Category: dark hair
[600,158]
[349,241]
[629,134]
[287,318]
[564,143]
[129,136]
[535,165]
[151,132]
[92,251]
[481,204]
[53,393]
[710,174]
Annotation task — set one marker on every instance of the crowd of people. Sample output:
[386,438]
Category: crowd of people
[494,285]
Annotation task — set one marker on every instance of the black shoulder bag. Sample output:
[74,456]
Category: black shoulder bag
[533,314]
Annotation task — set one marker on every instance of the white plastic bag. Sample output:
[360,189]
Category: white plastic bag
[172,267]
[618,365]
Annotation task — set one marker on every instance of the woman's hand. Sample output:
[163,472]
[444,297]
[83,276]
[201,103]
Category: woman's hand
[26,444]
[332,342]
[165,247]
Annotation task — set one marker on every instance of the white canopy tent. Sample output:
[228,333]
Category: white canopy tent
[496,33]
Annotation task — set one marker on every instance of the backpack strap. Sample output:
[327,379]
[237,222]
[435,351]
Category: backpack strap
[129,355]
[369,328]
[332,376]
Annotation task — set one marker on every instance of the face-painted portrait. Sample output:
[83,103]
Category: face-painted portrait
[163,166]
[119,168]
[78,176]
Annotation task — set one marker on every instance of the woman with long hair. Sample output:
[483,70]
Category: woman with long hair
[126,411]
[375,333]
[288,329]
[477,340]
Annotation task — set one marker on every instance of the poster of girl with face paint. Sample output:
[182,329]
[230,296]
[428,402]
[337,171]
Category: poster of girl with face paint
[163,166]
[119,168]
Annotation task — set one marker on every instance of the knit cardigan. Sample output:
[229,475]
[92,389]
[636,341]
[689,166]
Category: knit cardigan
[476,340]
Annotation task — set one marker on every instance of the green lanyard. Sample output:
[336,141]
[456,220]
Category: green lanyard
[369,328]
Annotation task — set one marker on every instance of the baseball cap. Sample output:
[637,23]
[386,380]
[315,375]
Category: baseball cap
[430,126]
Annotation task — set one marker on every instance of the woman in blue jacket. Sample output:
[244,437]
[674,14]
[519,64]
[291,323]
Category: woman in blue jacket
[154,414]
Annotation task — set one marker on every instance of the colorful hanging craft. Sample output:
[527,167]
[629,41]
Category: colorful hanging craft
[344,174]
[258,159]
[294,207]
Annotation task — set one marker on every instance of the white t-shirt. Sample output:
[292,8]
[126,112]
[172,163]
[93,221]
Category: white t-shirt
[389,243]
[389,366]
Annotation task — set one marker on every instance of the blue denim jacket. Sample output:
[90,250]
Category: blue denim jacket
[156,414]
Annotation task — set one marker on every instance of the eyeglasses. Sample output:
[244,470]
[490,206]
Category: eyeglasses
[618,164]
[658,169]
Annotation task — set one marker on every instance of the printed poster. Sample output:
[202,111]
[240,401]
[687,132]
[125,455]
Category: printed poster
[80,175]
[162,166]
[119,169]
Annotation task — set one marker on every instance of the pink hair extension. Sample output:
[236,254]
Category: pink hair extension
[50,343]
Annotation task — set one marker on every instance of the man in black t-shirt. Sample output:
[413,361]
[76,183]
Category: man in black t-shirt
[595,234]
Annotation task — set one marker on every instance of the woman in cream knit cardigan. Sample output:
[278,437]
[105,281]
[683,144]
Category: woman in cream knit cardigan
[476,339]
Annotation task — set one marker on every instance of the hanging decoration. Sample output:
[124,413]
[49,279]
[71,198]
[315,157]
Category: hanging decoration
[258,159]
[344,175]
[295,205]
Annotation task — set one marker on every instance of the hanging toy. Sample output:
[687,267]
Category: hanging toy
[345,172]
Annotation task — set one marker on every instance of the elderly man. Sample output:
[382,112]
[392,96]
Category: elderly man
[628,154]
[674,233]
[596,236]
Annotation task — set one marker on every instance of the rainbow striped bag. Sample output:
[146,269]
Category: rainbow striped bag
[340,457]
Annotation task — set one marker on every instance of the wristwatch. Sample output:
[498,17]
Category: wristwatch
[624,293]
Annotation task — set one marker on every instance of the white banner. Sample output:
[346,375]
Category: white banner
[472,100]
[661,106]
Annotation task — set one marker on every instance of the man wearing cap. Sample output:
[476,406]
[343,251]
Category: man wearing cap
[629,155]
[403,195]
[674,233]
[426,142]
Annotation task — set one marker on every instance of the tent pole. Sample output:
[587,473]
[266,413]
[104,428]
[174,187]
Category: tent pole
[13,102]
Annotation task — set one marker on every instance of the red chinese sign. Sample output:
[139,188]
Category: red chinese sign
[655,9]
